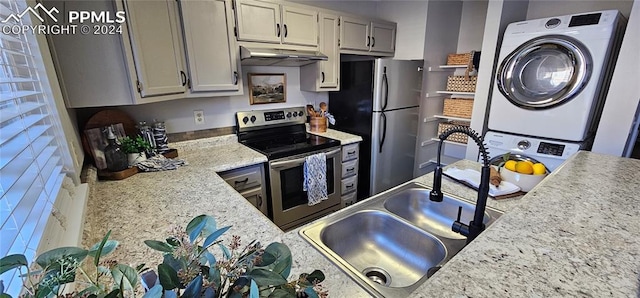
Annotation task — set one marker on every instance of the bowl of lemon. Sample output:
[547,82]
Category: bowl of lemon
[522,171]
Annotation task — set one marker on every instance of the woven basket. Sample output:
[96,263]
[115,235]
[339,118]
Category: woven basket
[458,107]
[456,137]
[461,83]
[458,59]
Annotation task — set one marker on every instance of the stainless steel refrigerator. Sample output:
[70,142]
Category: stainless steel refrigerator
[379,100]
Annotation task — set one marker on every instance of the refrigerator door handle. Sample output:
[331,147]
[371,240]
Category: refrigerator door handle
[383,129]
[385,83]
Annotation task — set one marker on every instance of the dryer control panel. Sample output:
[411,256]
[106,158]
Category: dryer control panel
[585,19]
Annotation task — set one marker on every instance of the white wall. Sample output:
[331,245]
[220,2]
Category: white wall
[411,19]
[549,8]
[472,23]
[624,95]
[220,111]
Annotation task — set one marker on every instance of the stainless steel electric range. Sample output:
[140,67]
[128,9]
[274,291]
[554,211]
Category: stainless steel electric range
[281,135]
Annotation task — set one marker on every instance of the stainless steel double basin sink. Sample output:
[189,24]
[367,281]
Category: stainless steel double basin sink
[391,243]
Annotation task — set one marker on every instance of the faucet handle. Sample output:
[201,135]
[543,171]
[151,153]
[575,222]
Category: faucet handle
[458,226]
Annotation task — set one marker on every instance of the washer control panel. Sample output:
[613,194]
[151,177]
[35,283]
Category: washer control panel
[551,149]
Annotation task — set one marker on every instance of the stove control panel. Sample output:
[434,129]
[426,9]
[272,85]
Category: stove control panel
[259,119]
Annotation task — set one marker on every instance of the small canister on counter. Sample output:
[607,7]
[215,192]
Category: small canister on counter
[160,136]
[146,133]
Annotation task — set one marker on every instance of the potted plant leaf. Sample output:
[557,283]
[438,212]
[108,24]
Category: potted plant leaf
[135,148]
[189,268]
[55,270]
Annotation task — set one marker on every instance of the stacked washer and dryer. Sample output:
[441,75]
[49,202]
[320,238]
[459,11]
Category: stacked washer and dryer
[551,85]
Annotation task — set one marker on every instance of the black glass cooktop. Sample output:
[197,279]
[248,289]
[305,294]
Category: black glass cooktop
[279,143]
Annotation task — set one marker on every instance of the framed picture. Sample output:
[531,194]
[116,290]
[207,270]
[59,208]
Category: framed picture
[267,88]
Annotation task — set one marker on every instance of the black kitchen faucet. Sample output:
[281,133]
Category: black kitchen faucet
[476,226]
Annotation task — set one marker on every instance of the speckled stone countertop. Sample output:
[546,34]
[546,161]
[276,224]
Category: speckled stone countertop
[343,137]
[576,234]
[146,206]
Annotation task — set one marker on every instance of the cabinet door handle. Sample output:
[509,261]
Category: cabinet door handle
[323,76]
[350,185]
[350,170]
[184,78]
[235,78]
[368,40]
[285,30]
[373,41]
[259,201]
[351,152]
[278,30]
[245,180]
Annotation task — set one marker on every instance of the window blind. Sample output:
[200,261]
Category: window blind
[30,150]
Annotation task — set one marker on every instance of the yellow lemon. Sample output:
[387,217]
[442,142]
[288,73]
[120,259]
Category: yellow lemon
[539,169]
[524,167]
[510,165]
[529,162]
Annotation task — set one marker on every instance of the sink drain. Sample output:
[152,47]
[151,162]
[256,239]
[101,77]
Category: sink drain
[378,276]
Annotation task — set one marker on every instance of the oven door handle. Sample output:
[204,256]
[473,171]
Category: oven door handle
[287,163]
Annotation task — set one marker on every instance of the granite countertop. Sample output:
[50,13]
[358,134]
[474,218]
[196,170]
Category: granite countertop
[147,205]
[343,137]
[576,234]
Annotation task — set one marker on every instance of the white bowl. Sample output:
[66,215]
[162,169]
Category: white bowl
[524,181]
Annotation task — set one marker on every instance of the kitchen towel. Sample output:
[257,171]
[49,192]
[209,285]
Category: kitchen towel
[472,177]
[315,178]
[160,163]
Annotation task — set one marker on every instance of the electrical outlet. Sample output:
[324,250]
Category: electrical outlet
[198,117]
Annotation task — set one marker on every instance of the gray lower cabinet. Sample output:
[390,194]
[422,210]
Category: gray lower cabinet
[349,185]
[250,183]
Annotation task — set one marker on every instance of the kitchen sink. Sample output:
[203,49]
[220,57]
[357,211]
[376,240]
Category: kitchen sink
[383,248]
[413,204]
[393,242]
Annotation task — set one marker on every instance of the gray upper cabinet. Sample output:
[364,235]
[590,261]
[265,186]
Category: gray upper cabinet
[299,26]
[270,22]
[362,35]
[211,49]
[354,34]
[324,75]
[142,63]
[258,21]
[383,37]
[157,50]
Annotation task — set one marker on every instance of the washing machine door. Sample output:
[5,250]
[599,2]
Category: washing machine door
[544,72]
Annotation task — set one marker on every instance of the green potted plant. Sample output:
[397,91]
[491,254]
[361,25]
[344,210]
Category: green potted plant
[190,268]
[135,149]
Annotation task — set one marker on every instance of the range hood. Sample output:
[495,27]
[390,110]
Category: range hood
[279,57]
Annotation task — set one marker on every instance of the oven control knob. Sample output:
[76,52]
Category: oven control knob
[245,119]
[289,115]
[295,114]
[300,113]
[524,145]
[253,119]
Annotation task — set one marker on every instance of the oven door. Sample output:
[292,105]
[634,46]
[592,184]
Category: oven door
[289,202]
